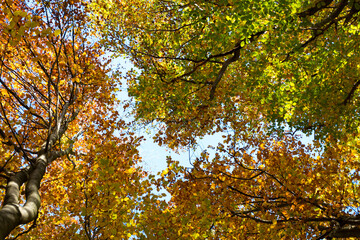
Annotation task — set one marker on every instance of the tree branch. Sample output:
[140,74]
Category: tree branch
[311,11]
[234,58]
[351,93]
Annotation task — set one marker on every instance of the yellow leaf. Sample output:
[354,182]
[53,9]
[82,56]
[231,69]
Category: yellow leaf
[57,32]
[130,170]
[164,172]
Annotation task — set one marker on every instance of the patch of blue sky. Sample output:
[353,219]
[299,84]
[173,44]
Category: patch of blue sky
[154,156]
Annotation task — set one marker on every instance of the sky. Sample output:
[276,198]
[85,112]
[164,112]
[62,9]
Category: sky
[154,156]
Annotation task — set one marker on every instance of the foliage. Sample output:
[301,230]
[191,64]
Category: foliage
[260,72]
[63,144]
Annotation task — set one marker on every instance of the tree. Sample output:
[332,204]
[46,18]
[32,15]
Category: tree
[261,73]
[61,134]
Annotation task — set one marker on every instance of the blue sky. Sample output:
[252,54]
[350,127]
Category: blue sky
[153,155]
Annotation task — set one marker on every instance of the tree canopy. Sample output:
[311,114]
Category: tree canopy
[263,74]
[61,134]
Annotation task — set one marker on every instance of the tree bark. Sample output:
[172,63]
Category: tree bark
[12,214]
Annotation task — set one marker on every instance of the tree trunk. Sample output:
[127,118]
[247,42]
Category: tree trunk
[12,214]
